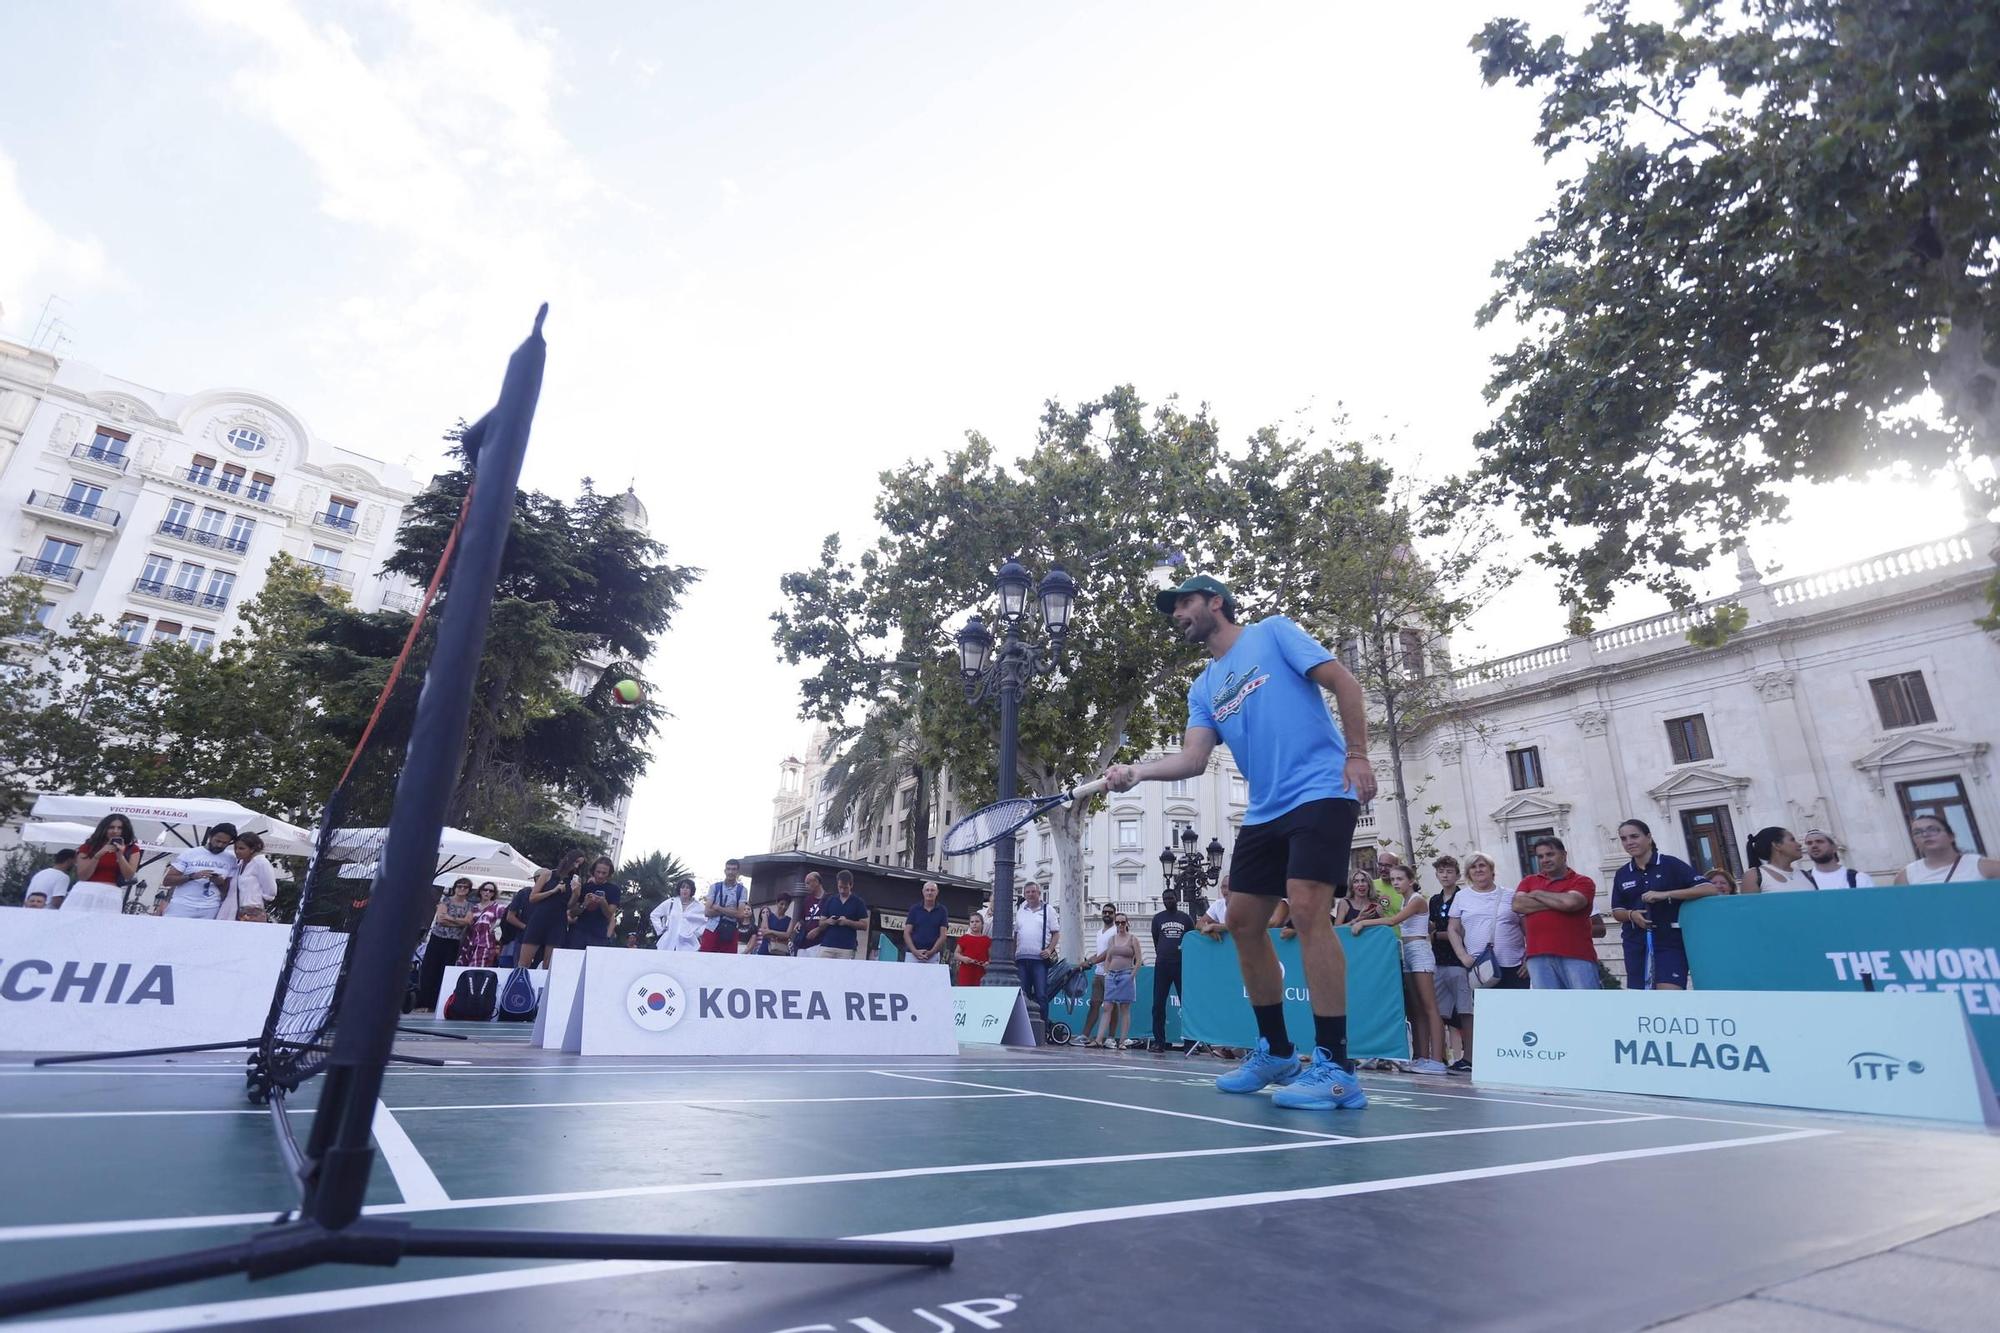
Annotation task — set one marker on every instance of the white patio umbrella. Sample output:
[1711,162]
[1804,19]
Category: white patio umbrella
[165,827]
[57,835]
[459,853]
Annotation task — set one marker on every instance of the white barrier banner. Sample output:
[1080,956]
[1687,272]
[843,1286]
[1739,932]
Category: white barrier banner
[91,981]
[538,978]
[991,1016]
[644,1002]
[559,996]
[1902,1054]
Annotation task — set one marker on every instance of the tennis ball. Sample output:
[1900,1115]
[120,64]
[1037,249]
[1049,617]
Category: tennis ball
[628,692]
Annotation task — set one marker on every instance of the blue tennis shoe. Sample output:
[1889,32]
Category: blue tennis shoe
[1321,1086]
[1259,1070]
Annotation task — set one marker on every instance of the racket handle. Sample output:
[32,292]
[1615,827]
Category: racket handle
[1088,789]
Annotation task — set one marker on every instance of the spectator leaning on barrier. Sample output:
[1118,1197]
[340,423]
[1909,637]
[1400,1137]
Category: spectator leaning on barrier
[1772,864]
[105,864]
[1646,897]
[1170,924]
[1941,861]
[1412,922]
[1214,923]
[199,877]
[1450,982]
[1555,907]
[254,884]
[843,919]
[1823,869]
[1365,900]
[52,881]
[774,929]
[36,899]
[927,928]
[1486,932]
[1720,877]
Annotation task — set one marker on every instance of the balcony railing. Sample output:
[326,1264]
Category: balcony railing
[400,601]
[98,456]
[339,578]
[214,541]
[55,571]
[180,595]
[338,522]
[83,511]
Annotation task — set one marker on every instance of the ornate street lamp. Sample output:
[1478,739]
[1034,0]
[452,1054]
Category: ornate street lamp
[1191,872]
[985,673]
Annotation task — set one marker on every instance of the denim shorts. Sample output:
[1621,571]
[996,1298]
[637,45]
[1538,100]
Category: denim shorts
[1548,971]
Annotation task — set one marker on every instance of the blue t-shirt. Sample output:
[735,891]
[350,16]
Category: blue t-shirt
[1662,873]
[1275,721]
[927,923]
[833,909]
[591,930]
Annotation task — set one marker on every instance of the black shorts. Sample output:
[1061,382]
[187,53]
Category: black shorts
[1311,841]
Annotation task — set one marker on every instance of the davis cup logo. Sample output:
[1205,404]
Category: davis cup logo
[656,1002]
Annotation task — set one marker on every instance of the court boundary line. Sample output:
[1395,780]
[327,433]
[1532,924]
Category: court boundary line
[214,1314]
[31,1232]
[535,1106]
[1126,1106]
[415,1180]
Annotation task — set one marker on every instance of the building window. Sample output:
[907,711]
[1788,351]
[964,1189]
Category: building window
[1688,737]
[83,498]
[339,514]
[190,576]
[260,486]
[1128,834]
[43,613]
[1128,886]
[326,557]
[57,556]
[211,523]
[1711,839]
[1239,789]
[220,584]
[1942,798]
[1903,701]
[1181,787]
[108,446]
[132,629]
[1524,767]
[232,479]
[201,640]
[1411,644]
[1524,846]
[166,631]
[202,471]
[240,528]
[248,441]
[180,514]
[1175,828]
[158,567]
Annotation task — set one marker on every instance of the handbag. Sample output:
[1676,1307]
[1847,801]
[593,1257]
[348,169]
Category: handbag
[1485,970]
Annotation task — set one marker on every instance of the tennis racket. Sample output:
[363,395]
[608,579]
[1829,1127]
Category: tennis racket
[990,823]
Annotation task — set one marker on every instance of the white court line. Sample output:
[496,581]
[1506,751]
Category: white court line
[78,1230]
[541,1106]
[397,1293]
[414,1177]
[1125,1106]
[1571,1106]
[235,1071]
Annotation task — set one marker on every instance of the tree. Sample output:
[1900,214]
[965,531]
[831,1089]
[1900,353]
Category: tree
[649,881]
[870,769]
[1777,262]
[1391,594]
[1111,488]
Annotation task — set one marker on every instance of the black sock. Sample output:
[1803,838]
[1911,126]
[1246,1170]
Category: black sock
[1330,1034]
[1271,1027]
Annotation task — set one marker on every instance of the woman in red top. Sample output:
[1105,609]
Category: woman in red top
[105,863]
[975,946]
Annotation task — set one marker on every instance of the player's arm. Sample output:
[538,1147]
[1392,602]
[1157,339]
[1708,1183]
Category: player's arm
[174,878]
[1338,681]
[1197,744]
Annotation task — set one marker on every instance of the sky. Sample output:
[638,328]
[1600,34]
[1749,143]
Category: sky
[787,246]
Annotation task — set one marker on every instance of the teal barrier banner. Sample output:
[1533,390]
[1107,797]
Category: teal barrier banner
[1899,1055]
[1920,937]
[1218,1011]
[1074,1012]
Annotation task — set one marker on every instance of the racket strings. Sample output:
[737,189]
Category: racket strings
[986,825]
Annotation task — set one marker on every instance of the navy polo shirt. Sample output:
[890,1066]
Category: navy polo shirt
[1663,874]
[927,923]
[591,930]
[832,909]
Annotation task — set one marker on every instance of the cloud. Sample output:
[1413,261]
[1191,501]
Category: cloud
[35,258]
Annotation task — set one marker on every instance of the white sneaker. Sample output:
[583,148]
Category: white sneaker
[1427,1067]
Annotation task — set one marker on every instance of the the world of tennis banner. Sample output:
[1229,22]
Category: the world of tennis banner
[1216,1009]
[1942,938]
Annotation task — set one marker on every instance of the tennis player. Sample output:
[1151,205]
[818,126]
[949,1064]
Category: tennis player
[1260,695]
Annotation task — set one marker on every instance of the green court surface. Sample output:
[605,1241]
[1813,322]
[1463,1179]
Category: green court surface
[1017,1157]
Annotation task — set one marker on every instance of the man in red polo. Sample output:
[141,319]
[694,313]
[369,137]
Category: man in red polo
[1555,907]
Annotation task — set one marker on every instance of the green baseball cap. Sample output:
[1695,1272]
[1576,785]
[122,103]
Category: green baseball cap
[1165,598]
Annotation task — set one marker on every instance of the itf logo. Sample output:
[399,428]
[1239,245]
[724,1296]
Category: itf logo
[656,1002]
[1875,1067]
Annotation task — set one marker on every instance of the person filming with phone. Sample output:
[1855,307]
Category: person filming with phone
[105,864]
[200,877]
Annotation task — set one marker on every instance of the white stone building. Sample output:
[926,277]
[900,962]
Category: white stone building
[1851,698]
[161,512]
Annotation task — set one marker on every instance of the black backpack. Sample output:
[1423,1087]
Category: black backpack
[518,1000]
[472,998]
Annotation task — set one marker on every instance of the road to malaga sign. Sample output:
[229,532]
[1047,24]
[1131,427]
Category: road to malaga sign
[1885,1054]
[643,1002]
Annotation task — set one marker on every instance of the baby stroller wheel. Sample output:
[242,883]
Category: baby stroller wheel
[1059,1033]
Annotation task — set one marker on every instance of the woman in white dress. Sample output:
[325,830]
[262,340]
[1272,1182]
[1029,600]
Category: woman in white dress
[1773,852]
[679,922]
[1942,862]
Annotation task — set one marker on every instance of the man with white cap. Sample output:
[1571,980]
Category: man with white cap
[1823,869]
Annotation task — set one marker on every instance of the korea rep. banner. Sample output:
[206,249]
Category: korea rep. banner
[1216,1008]
[1918,937]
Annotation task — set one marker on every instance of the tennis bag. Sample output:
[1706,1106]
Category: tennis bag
[518,1000]
[473,995]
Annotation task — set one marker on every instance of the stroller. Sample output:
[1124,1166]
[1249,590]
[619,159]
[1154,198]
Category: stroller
[1070,982]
